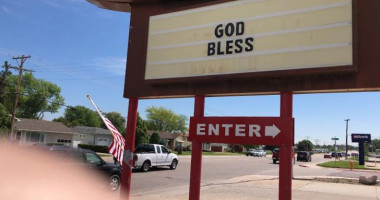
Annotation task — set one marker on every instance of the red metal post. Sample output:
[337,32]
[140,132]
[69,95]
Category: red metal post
[196,154]
[126,175]
[285,182]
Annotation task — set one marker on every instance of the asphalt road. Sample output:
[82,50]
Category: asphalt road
[216,168]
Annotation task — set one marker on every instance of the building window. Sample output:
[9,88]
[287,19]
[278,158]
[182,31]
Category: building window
[82,135]
[63,141]
[34,137]
[18,136]
[206,146]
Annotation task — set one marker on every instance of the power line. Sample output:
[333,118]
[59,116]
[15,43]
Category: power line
[85,79]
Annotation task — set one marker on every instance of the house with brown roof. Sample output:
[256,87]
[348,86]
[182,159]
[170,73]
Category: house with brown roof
[173,140]
[33,131]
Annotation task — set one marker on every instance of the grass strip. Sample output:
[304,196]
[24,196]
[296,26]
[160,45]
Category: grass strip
[343,164]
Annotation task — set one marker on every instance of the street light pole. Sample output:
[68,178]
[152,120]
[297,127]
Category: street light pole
[346,136]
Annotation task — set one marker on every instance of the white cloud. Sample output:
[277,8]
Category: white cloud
[69,5]
[6,10]
[110,64]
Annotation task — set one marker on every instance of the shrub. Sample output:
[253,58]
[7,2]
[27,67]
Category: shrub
[96,148]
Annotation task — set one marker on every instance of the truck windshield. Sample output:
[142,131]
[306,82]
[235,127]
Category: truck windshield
[145,148]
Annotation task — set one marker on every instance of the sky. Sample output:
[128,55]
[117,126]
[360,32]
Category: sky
[83,49]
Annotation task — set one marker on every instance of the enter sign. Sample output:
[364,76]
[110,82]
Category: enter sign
[241,130]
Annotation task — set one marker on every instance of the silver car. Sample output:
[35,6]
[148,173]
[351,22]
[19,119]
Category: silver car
[260,153]
[250,152]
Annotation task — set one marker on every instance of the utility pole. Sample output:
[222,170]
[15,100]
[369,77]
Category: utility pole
[20,69]
[346,136]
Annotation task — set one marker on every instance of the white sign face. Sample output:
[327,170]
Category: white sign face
[250,36]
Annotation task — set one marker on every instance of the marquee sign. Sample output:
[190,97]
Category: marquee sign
[250,36]
[250,47]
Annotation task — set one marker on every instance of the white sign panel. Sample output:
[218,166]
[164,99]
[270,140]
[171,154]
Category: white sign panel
[250,36]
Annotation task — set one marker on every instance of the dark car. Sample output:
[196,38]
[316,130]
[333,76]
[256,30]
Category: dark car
[338,155]
[304,156]
[276,155]
[327,155]
[111,172]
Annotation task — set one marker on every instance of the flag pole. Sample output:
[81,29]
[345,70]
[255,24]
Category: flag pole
[100,113]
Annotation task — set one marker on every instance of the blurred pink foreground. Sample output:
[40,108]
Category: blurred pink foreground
[30,174]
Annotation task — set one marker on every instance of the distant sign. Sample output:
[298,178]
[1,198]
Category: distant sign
[334,138]
[241,130]
[358,137]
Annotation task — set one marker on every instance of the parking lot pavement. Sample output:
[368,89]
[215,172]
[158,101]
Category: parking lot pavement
[254,187]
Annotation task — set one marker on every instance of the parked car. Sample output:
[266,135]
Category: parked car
[354,154]
[327,155]
[250,152]
[111,172]
[153,155]
[304,156]
[276,155]
[338,155]
[259,153]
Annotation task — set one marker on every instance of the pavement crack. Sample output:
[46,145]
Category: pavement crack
[242,181]
[171,178]
[302,186]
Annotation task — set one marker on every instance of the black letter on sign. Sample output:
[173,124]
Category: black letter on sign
[229,46]
[219,50]
[230,29]
[238,43]
[239,28]
[219,31]
[249,43]
[211,49]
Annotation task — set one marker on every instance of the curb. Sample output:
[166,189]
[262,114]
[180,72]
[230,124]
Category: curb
[333,180]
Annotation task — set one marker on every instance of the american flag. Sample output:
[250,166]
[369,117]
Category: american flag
[117,146]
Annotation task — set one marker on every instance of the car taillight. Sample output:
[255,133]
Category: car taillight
[135,158]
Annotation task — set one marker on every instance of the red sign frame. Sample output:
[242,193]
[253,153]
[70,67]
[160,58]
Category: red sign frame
[242,130]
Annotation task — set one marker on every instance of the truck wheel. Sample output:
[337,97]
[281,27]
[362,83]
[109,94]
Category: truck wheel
[173,166]
[145,166]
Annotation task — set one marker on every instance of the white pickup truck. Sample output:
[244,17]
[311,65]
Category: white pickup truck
[153,155]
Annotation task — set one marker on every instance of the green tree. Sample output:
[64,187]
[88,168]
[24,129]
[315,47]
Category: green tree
[79,116]
[117,120]
[162,119]
[5,119]
[141,131]
[305,145]
[154,138]
[4,81]
[251,146]
[376,143]
[36,97]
